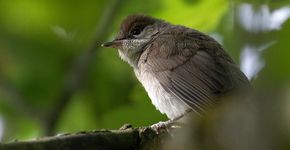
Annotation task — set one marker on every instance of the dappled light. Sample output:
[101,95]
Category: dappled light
[262,19]
[55,78]
[1,128]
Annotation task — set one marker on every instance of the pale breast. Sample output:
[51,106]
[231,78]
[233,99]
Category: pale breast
[162,100]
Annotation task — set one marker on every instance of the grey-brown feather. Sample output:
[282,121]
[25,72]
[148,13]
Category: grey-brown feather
[181,68]
[191,66]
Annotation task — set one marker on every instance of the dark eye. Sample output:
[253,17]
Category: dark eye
[136,31]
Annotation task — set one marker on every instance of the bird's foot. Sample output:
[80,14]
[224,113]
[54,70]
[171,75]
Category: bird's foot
[165,126]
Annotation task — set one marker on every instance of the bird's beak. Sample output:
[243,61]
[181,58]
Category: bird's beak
[113,44]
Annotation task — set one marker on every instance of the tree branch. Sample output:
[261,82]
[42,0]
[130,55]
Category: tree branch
[124,139]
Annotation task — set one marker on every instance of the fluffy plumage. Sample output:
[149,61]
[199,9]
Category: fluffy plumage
[181,68]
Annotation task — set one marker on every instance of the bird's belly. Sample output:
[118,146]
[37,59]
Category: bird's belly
[165,102]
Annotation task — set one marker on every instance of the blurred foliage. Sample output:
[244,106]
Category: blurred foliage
[41,39]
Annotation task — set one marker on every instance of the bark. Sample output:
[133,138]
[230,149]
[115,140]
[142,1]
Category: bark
[144,138]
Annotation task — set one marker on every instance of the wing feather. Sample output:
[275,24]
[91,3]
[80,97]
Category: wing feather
[191,70]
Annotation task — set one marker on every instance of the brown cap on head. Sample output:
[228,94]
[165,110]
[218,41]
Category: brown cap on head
[130,23]
[132,20]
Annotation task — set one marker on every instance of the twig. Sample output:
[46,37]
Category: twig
[80,67]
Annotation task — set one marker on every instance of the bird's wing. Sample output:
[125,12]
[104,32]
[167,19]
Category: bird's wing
[185,66]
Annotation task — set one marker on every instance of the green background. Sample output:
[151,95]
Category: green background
[42,41]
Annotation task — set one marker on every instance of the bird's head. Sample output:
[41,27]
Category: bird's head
[136,32]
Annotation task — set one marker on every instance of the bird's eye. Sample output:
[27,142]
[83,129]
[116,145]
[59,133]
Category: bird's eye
[136,31]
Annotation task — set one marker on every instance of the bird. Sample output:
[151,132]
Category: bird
[182,69]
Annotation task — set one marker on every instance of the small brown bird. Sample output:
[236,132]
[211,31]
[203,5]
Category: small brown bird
[181,69]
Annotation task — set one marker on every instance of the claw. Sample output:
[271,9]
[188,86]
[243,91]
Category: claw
[165,125]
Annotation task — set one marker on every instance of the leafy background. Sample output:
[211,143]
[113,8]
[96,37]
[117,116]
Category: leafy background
[43,42]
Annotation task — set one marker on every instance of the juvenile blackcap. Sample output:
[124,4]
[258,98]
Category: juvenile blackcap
[182,69]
